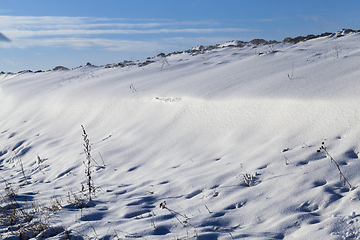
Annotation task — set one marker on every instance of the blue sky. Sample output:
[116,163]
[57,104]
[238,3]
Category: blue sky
[47,33]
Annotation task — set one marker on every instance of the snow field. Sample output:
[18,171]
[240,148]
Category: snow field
[187,136]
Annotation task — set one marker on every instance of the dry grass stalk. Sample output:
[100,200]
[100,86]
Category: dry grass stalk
[21,165]
[177,215]
[342,176]
[87,163]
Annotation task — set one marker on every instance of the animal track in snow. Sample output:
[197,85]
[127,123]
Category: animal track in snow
[133,168]
[218,214]
[17,145]
[135,212]
[12,135]
[351,154]
[319,183]
[235,206]
[193,194]
[308,207]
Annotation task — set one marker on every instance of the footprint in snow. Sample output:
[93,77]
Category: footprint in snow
[319,183]
[12,135]
[133,168]
[17,145]
[193,194]
[351,154]
[96,216]
[308,207]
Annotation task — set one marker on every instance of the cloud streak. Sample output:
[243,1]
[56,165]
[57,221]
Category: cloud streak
[29,31]
[69,32]
[107,44]
[316,19]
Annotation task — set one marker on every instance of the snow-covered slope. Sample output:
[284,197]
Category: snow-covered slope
[189,132]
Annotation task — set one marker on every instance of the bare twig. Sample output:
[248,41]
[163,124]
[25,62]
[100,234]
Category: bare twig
[177,215]
[207,208]
[342,176]
[102,158]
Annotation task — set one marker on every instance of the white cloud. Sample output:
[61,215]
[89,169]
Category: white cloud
[48,22]
[68,32]
[23,23]
[30,31]
[118,45]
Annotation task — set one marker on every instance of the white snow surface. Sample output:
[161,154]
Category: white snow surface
[194,127]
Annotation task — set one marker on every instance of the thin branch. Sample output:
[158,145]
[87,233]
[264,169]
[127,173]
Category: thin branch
[342,176]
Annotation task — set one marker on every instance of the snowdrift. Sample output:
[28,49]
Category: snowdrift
[220,144]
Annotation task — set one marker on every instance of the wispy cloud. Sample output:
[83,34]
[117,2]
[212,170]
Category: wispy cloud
[88,42]
[29,31]
[79,32]
[316,19]
[259,20]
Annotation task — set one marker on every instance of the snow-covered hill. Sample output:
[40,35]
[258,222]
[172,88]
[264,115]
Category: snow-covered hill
[215,144]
